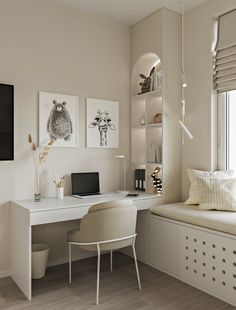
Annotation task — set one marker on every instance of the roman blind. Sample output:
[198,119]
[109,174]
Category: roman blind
[225,62]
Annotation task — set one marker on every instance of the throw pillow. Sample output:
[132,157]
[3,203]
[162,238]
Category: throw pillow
[194,190]
[217,194]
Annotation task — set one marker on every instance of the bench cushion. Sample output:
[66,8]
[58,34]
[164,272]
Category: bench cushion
[223,221]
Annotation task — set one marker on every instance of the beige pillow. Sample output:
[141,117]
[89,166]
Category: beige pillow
[195,191]
[217,194]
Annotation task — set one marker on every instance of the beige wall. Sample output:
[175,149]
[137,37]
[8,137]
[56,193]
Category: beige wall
[53,48]
[200,153]
[143,34]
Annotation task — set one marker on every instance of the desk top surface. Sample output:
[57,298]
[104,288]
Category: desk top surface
[47,204]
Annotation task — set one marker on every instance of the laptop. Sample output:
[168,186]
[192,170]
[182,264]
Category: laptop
[86,185]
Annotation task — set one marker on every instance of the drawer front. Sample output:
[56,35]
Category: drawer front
[66,214]
[53,216]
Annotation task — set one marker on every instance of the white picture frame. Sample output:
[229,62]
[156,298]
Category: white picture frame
[58,119]
[102,123]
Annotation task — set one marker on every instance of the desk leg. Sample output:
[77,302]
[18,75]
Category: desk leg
[21,249]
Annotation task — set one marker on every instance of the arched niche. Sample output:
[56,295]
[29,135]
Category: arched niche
[144,66]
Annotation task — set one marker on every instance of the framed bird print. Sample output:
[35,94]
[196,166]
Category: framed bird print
[102,123]
[58,119]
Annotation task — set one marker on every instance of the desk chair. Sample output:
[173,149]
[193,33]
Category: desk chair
[108,226]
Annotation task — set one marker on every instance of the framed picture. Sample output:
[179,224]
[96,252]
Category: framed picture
[58,119]
[102,123]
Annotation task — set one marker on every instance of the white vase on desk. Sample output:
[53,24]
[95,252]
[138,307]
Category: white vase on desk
[60,192]
[37,193]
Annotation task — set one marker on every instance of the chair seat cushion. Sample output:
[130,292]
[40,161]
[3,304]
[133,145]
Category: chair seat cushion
[223,221]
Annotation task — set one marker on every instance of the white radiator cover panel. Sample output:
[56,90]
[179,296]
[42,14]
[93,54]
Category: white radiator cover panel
[201,257]
[208,261]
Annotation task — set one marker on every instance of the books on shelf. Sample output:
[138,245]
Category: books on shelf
[154,153]
[156,81]
[139,179]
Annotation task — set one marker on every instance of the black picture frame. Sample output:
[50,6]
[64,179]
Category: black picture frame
[6,122]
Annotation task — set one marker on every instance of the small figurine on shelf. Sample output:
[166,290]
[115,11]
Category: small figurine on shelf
[145,85]
[157,183]
[142,120]
[157,118]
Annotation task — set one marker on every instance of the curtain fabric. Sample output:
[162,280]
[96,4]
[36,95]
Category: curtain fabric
[225,62]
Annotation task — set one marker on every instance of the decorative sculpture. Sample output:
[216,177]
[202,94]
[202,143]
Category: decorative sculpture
[157,118]
[157,182]
[145,85]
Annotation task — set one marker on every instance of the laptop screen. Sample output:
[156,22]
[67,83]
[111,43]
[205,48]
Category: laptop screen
[85,183]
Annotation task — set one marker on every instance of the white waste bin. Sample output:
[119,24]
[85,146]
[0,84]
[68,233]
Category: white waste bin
[39,260]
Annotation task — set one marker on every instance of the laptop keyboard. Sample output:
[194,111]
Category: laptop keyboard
[92,196]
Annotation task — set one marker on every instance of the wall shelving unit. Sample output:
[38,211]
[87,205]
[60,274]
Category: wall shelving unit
[147,139]
[156,39]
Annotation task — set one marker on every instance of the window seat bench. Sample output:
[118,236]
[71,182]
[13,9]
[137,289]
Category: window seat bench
[223,221]
[197,247]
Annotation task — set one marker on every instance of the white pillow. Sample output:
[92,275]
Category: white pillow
[217,194]
[194,190]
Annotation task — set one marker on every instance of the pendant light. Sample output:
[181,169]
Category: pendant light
[185,130]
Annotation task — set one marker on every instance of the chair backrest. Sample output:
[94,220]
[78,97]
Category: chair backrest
[108,221]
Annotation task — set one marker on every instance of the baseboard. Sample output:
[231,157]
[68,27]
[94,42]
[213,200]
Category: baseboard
[5,273]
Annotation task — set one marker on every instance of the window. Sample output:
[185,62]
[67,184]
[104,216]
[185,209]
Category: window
[227,130]
[225,84]
[231,129]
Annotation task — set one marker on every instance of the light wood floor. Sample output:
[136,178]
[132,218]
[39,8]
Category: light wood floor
[118,290]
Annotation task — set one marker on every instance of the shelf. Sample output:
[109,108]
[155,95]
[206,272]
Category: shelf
[146,139]
[140,165]
[155,93]
[151,163]
[157,125]
[139,127]
[154,125]
[150,194]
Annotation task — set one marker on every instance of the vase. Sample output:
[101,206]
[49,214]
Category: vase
[37,194]
[60,192]
[142,120]
[37,197]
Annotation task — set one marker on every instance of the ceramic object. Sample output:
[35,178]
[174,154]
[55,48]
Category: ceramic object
[60,192]
[142,120]
[37,197]
[158,118]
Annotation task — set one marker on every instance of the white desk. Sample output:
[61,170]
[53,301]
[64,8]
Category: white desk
[26,213]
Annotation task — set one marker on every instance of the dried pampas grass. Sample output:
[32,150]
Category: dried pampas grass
[39,157]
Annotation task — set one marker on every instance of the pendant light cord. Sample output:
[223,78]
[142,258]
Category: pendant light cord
[182,35]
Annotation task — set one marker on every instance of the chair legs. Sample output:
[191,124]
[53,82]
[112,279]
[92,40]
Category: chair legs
[111,267]
[98,270]
[111,262]
[69,263]
[136,265]
[98,274]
